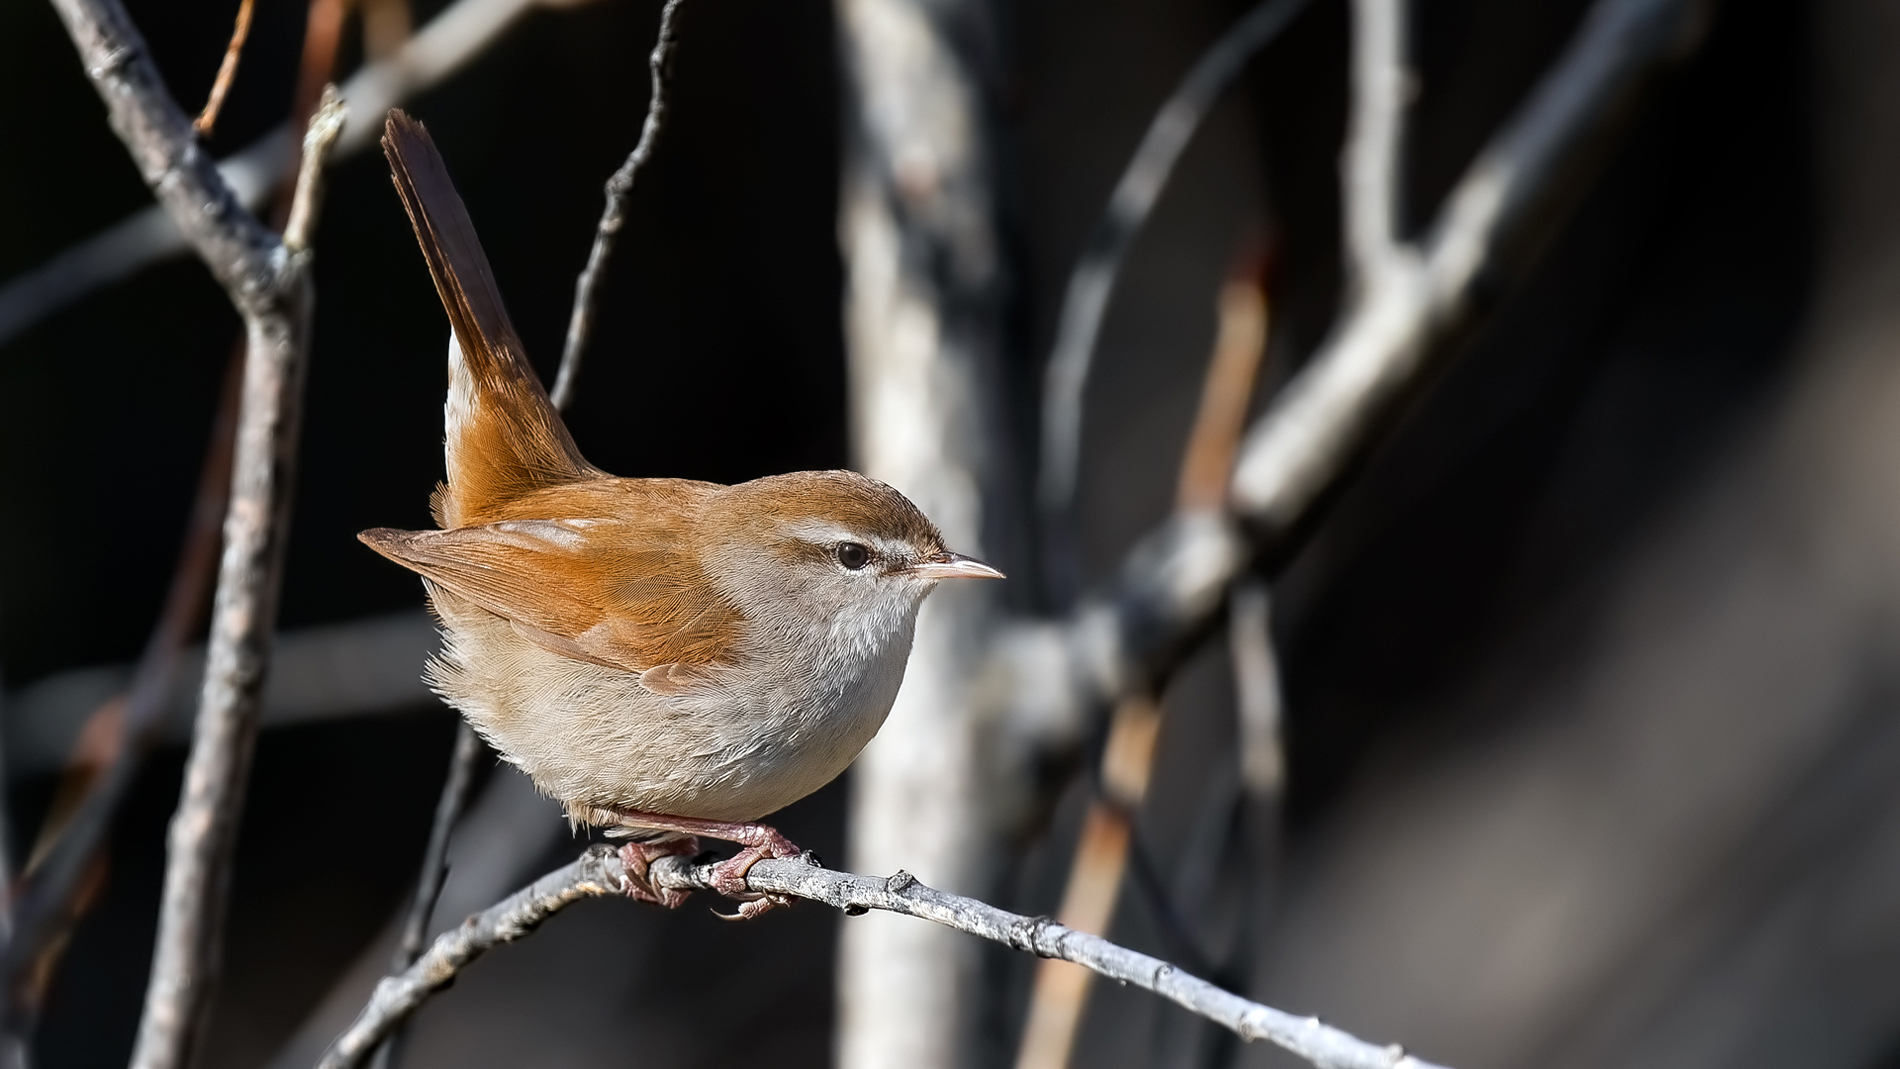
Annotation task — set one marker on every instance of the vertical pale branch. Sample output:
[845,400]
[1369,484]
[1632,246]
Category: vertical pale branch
[1375,140]
[923,325]
[580,323]
[269,282]
[1256,690]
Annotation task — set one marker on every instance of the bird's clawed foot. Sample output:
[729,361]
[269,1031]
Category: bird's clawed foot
[638,859]
[729,876]
[757,843]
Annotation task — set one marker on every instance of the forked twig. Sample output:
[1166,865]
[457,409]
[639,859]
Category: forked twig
[598,872]
[50,902]
[462,31]
[1403,326]
[269,282]
[204,828]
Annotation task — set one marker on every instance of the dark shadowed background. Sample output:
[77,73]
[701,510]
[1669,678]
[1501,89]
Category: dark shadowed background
[1590,674]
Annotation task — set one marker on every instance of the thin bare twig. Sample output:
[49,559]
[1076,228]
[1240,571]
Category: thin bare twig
[598,872]
[386,27]
[580,323]
[227,70]
[435,870]
[325,124]
[468,746]
[435,859]
[1086,301]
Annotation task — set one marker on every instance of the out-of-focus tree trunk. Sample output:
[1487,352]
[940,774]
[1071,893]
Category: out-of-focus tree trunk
[923,327]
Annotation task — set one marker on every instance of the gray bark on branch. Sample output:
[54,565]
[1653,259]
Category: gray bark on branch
[244,256]
[598,872]
[269,282]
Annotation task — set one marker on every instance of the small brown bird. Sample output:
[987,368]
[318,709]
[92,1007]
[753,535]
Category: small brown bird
[667,658]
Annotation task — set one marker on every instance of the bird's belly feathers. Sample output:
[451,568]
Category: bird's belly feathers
[594,738]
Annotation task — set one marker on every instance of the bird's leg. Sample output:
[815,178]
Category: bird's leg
[638,859]
[728,877]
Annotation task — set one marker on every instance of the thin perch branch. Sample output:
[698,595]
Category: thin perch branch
[598,872]
[580,323]
[227,71]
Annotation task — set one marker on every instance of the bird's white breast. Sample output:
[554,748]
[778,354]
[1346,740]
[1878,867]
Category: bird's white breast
[814,688]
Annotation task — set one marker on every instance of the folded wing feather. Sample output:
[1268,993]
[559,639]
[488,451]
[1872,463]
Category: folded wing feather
[591,590]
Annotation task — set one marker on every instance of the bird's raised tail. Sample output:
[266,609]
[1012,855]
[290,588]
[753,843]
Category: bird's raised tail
[502,436]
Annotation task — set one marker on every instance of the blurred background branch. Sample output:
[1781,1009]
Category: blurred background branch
[1092,281]
[1127,763]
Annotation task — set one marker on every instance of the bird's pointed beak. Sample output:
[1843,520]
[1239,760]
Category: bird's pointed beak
[948,565]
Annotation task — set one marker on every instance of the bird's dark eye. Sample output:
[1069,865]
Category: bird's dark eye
[853,555]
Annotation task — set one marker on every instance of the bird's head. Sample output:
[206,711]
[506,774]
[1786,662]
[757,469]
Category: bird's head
[829,545]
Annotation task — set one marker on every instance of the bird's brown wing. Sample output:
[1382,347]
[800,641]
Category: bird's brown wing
[621,592]
[503,437]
